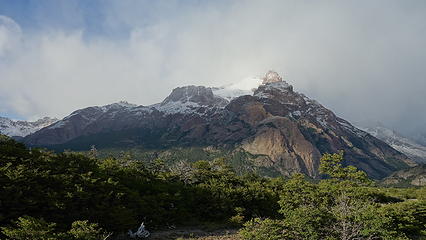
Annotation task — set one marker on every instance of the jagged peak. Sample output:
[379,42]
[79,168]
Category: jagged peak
[271,77]
[274,80]
[122,103]
[189,99]
[189,93]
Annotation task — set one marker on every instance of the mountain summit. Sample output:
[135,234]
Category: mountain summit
[271,77]
[279,129]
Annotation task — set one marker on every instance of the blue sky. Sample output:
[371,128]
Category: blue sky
[363,59]
[36,15]
[92,15]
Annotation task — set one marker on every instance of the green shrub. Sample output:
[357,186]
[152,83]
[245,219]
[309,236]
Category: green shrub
[29,228]
[266,229]
[83,230]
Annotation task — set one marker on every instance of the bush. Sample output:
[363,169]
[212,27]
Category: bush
[83,230]
[29,228]
[266,229]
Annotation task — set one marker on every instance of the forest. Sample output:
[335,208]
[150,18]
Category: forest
[80,196]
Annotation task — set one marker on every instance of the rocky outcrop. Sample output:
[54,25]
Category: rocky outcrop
[280,139]
[272,77]
[200,95]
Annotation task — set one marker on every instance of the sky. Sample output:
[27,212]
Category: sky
[365,60]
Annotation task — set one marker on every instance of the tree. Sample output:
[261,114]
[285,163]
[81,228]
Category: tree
[331,165]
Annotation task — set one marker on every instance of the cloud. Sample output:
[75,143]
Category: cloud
[363,59]
[10,34]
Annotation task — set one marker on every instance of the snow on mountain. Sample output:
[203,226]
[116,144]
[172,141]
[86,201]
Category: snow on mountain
[23,128]
[177,107]
[241,88]
[409,147]
[190,100]
[121,104]
[91,114]
[229,93]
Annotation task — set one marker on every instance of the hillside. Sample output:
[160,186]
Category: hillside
[415,176]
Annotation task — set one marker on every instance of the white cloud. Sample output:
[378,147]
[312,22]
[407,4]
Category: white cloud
[360,58]
[10,34]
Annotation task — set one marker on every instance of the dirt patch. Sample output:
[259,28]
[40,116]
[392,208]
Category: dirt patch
[195,234]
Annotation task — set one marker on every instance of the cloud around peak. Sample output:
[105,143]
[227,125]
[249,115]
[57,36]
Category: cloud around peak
[360,59]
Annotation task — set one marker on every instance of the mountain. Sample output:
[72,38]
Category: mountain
[278,128]
[415,176]
[407,146]
[23,128]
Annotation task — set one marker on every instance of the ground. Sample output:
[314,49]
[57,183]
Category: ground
[195,234]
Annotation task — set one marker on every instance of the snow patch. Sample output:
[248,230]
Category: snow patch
[178,107]
[232,91]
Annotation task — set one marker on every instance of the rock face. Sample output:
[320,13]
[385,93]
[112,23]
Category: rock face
[272,77]
[23,128]
[289,130]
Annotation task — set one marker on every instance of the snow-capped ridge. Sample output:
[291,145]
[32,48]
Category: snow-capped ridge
[409,147]
[117,105]
[23,128]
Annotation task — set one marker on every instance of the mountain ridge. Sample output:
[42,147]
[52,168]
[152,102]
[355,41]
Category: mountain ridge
[19,128]
[410,147]
[273,120]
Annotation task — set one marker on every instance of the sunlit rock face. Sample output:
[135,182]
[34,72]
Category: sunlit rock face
[287,129]
[272,77]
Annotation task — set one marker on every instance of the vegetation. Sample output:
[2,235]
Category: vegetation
[345,206]
[44,195]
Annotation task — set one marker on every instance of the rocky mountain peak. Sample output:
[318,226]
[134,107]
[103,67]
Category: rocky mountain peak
[196,94]
[199,95]
[190,99]
[271,77]
[273,82]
